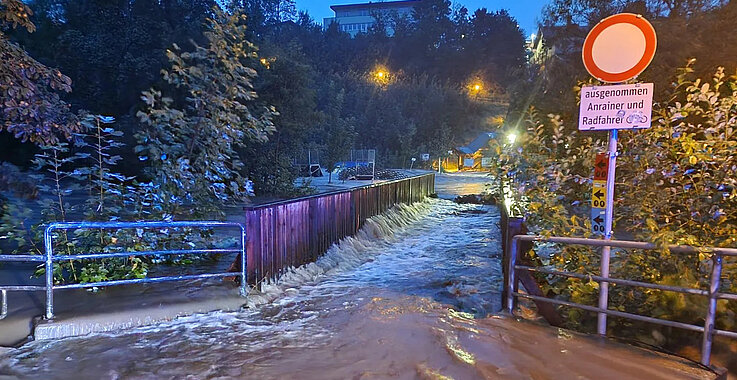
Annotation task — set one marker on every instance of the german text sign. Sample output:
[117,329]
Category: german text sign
[622,106]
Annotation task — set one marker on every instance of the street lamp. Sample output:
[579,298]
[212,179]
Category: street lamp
[413,163]
[475,87]
[381,76]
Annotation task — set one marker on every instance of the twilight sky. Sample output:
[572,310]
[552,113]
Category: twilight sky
[527,12]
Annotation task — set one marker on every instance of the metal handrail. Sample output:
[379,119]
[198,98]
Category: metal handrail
[713,293]
[48,258]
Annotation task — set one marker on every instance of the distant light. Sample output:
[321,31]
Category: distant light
[381,75]
[450,152]
[511,137]
[477,87]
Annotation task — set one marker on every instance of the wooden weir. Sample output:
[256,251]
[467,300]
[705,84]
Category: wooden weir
[297,231]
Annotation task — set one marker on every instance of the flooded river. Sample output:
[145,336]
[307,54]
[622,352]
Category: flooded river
[411,296]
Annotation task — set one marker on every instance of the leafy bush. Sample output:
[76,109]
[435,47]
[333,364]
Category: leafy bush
[676,184]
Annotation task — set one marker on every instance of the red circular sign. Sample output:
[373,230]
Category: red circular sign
[619,47]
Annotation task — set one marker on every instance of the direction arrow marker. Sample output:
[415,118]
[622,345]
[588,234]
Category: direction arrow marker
[599,194]
[597,221]
[601,166]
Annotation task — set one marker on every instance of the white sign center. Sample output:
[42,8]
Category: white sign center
[622,106]
[618,48]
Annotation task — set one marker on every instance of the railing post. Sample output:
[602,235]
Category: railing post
[512,254]
[4,305]
[716,278]
[244,269]
[48,247]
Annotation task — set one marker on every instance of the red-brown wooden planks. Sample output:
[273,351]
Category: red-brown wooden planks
[295,232]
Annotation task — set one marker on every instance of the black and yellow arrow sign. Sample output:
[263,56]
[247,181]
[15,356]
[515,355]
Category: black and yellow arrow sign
[598,194]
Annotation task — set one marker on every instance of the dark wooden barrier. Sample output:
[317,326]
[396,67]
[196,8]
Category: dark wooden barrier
[514,224]
[297,231]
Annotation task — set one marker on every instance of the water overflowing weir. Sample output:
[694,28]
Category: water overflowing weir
[411,295]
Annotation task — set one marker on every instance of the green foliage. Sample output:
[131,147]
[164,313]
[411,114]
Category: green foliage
[31,108]
[338,134]
[190,143]
[675,185]
[111,51]
[287,83]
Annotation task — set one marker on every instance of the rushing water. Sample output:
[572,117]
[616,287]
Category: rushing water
[408,297]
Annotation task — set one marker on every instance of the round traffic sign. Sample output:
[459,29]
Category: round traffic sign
[619,47]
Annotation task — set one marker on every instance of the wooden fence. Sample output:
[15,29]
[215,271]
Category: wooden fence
[297,231]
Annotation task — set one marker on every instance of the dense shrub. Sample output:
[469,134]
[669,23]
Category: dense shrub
[676,184]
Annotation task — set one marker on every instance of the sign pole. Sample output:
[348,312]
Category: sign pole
[608,217]
[616,50]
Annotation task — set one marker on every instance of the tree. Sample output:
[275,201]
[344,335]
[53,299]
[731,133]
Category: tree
[495,46]
[287,83]
[32,109]
[337,133]
[264,14]
[190,139]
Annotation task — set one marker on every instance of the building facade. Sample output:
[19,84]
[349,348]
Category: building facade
[358,18]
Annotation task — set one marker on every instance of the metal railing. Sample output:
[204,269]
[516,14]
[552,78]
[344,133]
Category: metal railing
[708,329]
[48,258]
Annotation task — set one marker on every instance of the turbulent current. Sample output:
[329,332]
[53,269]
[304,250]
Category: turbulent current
[411,296]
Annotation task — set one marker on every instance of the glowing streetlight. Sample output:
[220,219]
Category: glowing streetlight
[381,76]
[475,87]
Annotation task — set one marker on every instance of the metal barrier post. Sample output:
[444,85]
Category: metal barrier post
[4,306]
[48,246]
[716,277]
[512,279]
[244,270]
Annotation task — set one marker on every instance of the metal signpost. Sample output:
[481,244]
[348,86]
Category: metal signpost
[616,50]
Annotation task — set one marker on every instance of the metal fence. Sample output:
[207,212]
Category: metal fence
[49,258]
[713,293]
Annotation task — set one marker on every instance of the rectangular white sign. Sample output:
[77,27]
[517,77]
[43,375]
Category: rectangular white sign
[620,106]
